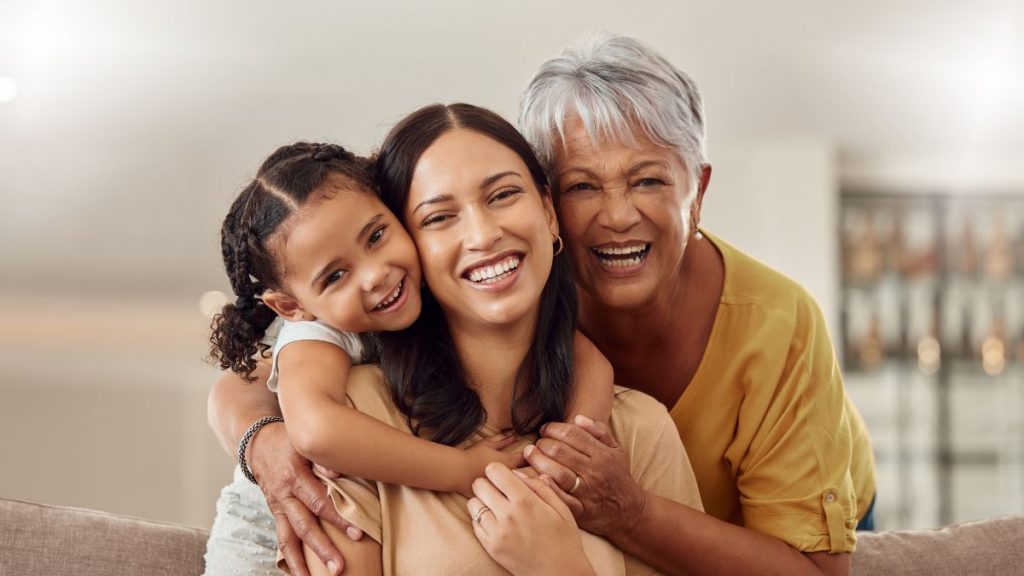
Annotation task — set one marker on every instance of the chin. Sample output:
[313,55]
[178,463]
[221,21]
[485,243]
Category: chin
[625,297]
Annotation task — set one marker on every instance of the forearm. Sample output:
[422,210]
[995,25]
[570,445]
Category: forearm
[234,404]
[345,440]
[676,539]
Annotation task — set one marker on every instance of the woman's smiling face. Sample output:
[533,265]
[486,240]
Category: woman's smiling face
[483,229]
[626,213]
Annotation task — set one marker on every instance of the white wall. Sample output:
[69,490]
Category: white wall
[777,199]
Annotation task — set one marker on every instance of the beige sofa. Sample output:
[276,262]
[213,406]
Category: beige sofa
[42,540]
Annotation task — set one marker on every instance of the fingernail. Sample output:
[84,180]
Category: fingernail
[333,567]
[528,450]
[354,533]
[543,429]
[583,420]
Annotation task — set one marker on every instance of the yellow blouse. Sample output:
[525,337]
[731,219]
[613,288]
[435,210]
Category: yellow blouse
[774,441]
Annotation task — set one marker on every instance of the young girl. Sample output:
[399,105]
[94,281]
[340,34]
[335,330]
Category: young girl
[309,241]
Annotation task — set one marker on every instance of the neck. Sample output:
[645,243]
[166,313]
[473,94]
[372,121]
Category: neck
[491,356]
[656,347]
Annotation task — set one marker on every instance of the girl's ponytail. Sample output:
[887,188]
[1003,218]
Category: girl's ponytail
[238,330]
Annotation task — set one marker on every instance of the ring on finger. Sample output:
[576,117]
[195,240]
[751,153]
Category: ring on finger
[480,512]
[575,484]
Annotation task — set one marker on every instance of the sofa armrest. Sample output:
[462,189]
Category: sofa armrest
[58,541]
[994,546]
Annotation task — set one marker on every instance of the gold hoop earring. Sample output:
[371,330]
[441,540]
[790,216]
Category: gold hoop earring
[560,244]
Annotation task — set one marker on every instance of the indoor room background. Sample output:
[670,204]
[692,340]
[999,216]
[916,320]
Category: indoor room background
[874,151]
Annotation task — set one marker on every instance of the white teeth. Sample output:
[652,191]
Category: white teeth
[623,262]
[620,251]
[622,257]
[491,274]
[392,297]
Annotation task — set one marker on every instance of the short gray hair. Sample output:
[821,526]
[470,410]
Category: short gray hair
[614,83]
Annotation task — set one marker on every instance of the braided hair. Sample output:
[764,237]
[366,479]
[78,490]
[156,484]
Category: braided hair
[283,184]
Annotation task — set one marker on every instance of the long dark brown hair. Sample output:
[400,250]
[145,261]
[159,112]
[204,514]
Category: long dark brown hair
[426,379]
[285,181]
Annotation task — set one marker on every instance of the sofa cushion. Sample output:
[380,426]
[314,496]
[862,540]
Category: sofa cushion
[58,541]
[994,546]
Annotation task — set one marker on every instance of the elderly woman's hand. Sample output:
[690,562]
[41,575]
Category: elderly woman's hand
[590,472]
[524,526]
[296,498]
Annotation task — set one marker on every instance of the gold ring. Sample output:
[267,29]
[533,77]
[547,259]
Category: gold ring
[480,512]
[576,484]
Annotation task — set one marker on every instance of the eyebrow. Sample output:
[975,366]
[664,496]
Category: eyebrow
[492,179]
[646,164]
[369,225]
[434,200]
[632,170]
[483,184]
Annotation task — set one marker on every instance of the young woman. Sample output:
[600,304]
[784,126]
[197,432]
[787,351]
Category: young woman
[491,351]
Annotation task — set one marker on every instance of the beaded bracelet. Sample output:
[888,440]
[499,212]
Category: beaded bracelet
[243,444]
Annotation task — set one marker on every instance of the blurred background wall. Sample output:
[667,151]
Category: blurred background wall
[126,128]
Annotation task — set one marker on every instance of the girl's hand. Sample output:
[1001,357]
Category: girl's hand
[524,526]
[484,452]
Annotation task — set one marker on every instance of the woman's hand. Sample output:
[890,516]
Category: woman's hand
[524,526]
[606,500]
[296,499]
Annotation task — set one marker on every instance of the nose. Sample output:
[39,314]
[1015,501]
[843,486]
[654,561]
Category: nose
[374,276]
[482,230]
[617,212]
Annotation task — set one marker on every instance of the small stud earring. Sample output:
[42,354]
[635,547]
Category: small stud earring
[560,245]
[698,235]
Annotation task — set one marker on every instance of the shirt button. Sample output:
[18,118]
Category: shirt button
[830,497]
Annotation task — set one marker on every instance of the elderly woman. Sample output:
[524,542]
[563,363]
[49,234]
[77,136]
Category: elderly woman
[738,353]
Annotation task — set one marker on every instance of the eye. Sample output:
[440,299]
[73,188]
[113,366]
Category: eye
[505,193]
[334,277]
[435,218]
[377,235]
[579,187]
[644,182]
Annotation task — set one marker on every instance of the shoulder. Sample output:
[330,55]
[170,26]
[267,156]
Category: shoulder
[765,297]
[367,391]
[297,331]
[637,418]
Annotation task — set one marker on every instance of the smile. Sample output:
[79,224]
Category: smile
[391,298]
[622,256]
[494,273]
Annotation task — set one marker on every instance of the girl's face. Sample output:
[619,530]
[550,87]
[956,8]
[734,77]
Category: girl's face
[483,229]
[346,260]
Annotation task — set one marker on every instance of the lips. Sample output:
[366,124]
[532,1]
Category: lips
[495,270]
[622,255]
[391,298]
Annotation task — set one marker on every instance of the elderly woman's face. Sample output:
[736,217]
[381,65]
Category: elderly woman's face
[625,216]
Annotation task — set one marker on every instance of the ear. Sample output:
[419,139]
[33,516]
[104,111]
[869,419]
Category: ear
[698,199]
[286,306]
[549,211]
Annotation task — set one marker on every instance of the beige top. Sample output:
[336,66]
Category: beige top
[424,533]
